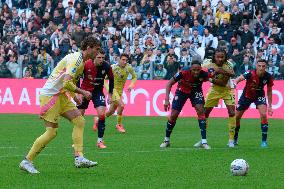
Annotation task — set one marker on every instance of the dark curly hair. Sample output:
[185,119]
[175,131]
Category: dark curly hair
[90,41]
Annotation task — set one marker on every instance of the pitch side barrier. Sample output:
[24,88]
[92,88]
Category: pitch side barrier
[146,99]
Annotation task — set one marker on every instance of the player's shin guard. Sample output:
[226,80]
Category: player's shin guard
[77,134]
[41,142]
[101,127]
[232,126]
[264,130]
[119,119]
[169,128]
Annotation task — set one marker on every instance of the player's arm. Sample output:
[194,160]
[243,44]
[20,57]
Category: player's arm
[229,73]
[110,84]
[69,85]
[239,79]
[169,85]
[133,80]
[269,96]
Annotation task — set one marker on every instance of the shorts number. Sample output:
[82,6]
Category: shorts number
[102,98]
[198,95]
[261,99]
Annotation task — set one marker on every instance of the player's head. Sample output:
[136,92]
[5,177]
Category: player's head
[261,66]
[89,46]
[220,56]
[195,68]
[123,60]
[100,57]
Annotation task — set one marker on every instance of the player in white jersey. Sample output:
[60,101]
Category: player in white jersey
[55,101]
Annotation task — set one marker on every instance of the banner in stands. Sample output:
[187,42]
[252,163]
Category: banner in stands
[22,96]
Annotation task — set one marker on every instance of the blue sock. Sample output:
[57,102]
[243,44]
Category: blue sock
[101,128]
[264,130]
[202,126]
[169,128]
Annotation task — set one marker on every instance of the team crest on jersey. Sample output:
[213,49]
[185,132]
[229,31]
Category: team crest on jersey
[74,70]
[89,70]
[90,77]
[103,71]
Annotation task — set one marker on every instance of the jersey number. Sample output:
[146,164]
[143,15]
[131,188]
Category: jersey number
[198,95]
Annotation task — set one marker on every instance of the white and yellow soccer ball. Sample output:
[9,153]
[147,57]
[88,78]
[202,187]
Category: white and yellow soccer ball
[239,167]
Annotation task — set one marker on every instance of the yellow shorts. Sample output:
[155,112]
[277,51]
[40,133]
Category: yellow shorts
[116,96]
[214,95]
[51,107]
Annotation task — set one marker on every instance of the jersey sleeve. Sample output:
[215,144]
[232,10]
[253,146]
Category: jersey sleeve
[73,65]
[178,76]
[247,75]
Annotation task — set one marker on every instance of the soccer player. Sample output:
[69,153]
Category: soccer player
[190,81]
[55,101]
[254,93]
[221,71]
[94,75]
[120,72]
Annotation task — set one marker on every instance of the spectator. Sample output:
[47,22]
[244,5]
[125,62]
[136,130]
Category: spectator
[14,67]
[160,72]
[4,71]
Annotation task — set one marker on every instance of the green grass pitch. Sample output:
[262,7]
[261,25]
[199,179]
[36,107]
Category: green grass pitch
[134,159]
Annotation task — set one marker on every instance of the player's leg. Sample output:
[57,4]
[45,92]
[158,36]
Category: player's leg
[212,100]
[239,115]
[231,124]
[230,101]
[78,121]
[119,125]
[114,104]
[101,126]
[262,108]
[50,107]
[243,105]
[177,105]
[199,108]
[100,105]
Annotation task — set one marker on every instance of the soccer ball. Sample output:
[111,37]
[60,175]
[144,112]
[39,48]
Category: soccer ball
[239,167]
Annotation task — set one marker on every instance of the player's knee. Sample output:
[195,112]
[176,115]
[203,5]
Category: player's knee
[201,115]
[263,118]
[231,113]
[52,132]
[78,121]
[102,117]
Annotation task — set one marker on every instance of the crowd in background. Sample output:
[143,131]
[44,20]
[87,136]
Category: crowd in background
[160,36]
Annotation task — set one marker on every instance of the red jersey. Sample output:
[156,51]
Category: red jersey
[94,76]
[188,83]
[255,85]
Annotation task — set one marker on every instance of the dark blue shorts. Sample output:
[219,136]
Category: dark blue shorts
[98,99]
[244,102]
[180,98]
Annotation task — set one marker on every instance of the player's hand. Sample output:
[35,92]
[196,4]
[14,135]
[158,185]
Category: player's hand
[78,99]
[87,95]
[129,88]
[270,111]
[167,105]
[219,70]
